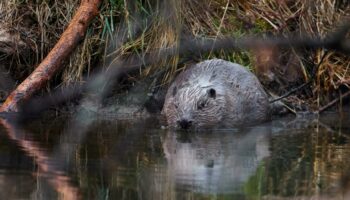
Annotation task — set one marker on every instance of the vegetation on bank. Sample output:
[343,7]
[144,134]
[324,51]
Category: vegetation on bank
[124,28]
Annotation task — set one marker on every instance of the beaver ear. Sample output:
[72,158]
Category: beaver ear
[174,91]
[212,93]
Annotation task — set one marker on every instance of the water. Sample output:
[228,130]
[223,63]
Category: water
[62,158]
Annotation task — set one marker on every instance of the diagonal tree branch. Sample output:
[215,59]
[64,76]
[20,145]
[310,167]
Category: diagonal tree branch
[53,62]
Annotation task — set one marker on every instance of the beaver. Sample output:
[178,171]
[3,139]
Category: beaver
[215,93]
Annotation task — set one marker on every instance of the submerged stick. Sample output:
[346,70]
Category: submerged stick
[53,62]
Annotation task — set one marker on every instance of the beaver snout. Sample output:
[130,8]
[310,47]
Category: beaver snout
[184,123]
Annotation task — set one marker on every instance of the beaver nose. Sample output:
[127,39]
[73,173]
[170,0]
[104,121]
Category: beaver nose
[184,123]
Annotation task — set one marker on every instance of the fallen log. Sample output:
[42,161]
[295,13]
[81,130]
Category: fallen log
[53,62]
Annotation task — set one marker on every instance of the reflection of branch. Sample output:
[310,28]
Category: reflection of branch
[48,165]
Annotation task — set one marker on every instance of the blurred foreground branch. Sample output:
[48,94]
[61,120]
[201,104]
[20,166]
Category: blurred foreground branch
[188,47]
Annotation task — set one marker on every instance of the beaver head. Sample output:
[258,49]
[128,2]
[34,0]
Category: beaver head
[194,102]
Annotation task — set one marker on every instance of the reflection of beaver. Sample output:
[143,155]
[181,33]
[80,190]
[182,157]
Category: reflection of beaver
[216,162]
[215,93]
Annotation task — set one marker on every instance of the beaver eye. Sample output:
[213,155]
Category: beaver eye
[212,93]
[201,105]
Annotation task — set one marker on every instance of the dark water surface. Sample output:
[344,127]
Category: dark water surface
[290,158]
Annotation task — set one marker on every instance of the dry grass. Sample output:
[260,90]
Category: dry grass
[40,25]
[315,18]
[319,21]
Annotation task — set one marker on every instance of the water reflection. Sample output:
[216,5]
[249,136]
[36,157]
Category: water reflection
[135,159]
[215,163]
[48,167]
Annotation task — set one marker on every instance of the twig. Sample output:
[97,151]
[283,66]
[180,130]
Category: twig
[291,92]
[333,102]
[304,84]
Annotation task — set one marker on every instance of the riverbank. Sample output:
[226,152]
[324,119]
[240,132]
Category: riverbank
[308,80]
